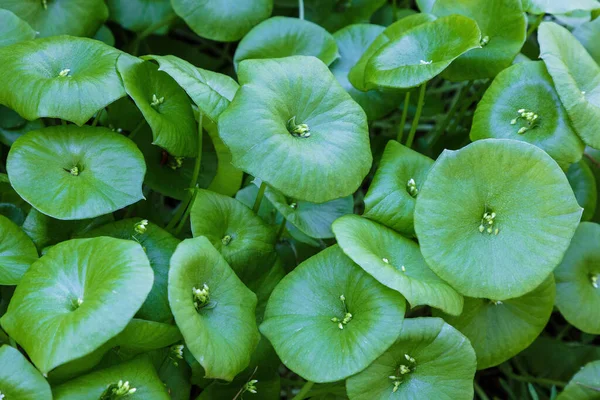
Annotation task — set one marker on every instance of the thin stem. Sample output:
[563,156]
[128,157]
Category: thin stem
[535,24]
[563,332]
[404,115]
[304,391]
[137,129]
[532,379]
[259,197]
[281,229]
[241,391]
[394,10]
[186,214]
[442,127]
[415,123]
[180,211]
[196,173]
[97,117]
[301,9]
[480,392]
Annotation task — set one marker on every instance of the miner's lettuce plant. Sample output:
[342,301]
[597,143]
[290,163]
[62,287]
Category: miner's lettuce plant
[294,199]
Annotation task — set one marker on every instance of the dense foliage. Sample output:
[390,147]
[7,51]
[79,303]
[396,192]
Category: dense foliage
[293,199]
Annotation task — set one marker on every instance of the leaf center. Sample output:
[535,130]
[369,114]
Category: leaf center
[298,130]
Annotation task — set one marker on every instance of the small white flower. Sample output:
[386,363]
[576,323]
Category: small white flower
[64,72]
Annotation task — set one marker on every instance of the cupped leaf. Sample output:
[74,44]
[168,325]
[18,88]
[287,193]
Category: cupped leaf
[159,246]
[578,280]
[495,218]
[585,385]
[558,6]
[138,373]
[19,379]
[59,77]
[164,105]
[280,37]
[223,20]
[336,14]
[311,219]
[429,360]
[421,53]
[70,172]
[212,308]
[13,29]
[352,42]
[141,15]
[60,17]
[80,294]
[576,77]
[210,91]
[395,262]
[17,252]
[16,127]
[587,34]
[499,330]
[244,240]
[392,32]
[392,195]
[585,187]
[522,104]
[305,137]
[328,319]
[503,26]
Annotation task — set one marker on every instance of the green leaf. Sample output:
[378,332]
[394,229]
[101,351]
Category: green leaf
[499,330]
[76,297]
[585,187]
[352,42]
[164,105]
[429,360]
[311,219]
[558,6]
[585,385]
[389,200]
[421,53]
[578,280]
[222,332]
[19,379]
[395,262]
[140,15]
[223,20]
[495,218]
[503,26]
[576,77]
[159,246]
[305,137]
[70,172]
[279,37]
[60,17]
[17,252]
[587,34]
[14,29]
[228,179]
[210,91]
[298,320]
[528,88]
[244,240]
[105,35]
[59,77]
[138,373]
[336,14]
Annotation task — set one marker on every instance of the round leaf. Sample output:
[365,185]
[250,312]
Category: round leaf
[495,218]
[421,53]
[503,26]
[222,333]
[336,14]
[585,385]
[298,320]
[584,186]
[17,252]
[70,172]
[352,42]
[499,330]
[140,15]
[587,34]
[13,29]
[80,294]
[19,379]
[395,262]
[440,363]
[576,77]
[164,105]
[305,137]
[558,6]
[527,88]
[223,20]
[60,17]
[280,37]
[578,280]
[391,199]
[59,77]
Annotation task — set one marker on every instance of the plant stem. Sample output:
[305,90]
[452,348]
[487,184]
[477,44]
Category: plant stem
[281,229]
[442,127]
[137,129]
[304,391]
[394,10]
[97,117]
[404,115]
[198,161]
[534,25]
[185,216]
[415,123]
[532,379]
[301,9]
[480,392]
[259,197]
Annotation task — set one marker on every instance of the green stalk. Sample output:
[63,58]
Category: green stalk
[404,115]
[301,9]
[539,381]
[415,123]
[534,25]
[442,127]
[259,197]
[304,391]
[185,216]
[480,392]
[97,117]
[137,129]
[281,229]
